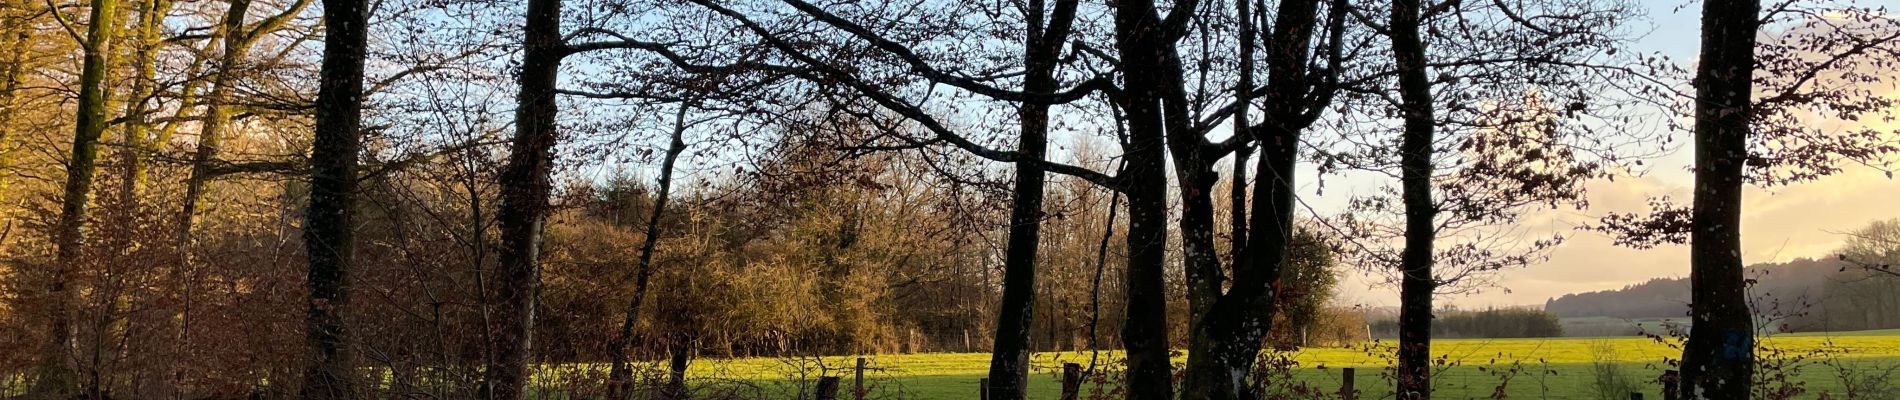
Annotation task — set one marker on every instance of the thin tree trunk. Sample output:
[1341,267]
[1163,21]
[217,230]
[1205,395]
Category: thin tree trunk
[621,375]
[479,247]
[145,62]
[682,353]
[12,79]
[1243,96]
[1237,206]
[1095,285]
[108,296]
[525,187]
[217,116]
[1415,160]
[1718,362]
[1009,355]
[328,238]
[56,376]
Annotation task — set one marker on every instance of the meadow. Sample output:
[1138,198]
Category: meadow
[1820,365]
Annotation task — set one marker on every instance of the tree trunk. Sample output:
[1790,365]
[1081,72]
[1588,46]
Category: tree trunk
[1194,171]
[525,186]
[1145,332]
[56,375]
[328,237]
[1415,162]
[1009,354]
[1243,95]
[682,353]
[620,376]
[16,38]
[211,132]
[1208,374]
[1719,360]
[145,61]
[1226,342]
[1142,42]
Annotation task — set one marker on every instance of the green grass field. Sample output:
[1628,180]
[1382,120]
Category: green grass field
[1557,368]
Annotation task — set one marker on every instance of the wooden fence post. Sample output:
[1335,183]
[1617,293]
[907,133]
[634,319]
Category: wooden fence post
[858,391]
[983,389]
[1071,381]
[1346,390]
[827,388]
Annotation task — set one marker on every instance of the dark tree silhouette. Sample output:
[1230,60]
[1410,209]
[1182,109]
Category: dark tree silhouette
[620,373]
[1227,326]
[1416,283]
[1042,47]
[1719,360]
[329,235]
[525,186]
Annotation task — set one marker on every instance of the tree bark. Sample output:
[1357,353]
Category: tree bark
[1209,375]
[1718,362]
[621,375]
[16,37]
[681,353]
[211,132]
[328,235]
[525,186]
[1194,170]
[56,376]
[1415,162]
[1145,333]
[1009,354]
[1243,96]
[145,62]
[1143,41]
[1227,338]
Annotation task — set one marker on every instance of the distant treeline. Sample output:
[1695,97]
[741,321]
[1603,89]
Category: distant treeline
[1801,295]
[1486,324]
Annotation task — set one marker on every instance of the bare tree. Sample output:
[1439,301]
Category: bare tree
[1042,47]
[145,62]
[238,40]
[1500,108]
[1304,52]
[620,377]
[1047,32]
[1415,152]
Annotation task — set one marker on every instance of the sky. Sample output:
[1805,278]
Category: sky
[1803,220]
[1779,224]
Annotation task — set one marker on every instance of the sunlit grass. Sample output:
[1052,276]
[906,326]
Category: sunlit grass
[1556,368]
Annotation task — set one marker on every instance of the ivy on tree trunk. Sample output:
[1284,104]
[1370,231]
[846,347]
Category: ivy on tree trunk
[328,235]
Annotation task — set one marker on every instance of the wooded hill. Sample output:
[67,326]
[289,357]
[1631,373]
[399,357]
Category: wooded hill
[1800,295]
